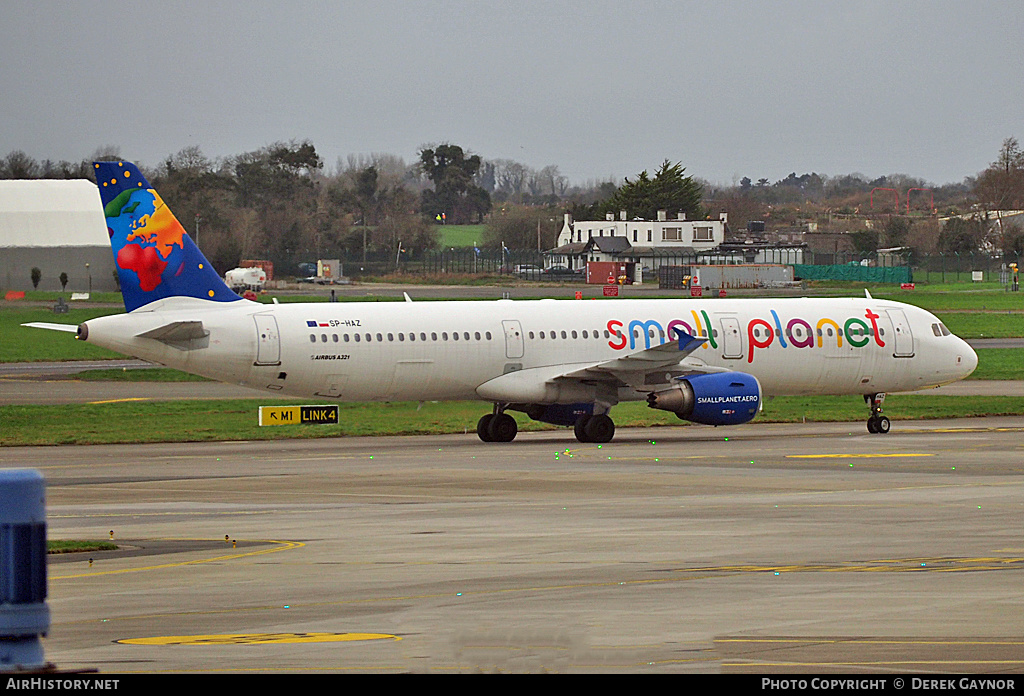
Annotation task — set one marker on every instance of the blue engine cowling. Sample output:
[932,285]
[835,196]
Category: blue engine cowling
[720,398]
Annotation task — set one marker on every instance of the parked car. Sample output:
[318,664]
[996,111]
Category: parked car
[560,271]
[526,270]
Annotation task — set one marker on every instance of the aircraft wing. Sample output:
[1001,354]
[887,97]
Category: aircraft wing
[640,370]
[647,366]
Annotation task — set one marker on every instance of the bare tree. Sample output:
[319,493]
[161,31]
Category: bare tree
[1001,186]
[18,165]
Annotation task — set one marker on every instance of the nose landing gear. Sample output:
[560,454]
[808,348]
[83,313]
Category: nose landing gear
[877,423]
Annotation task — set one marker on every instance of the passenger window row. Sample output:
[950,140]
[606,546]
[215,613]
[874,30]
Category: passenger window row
[597,334]
[565,334]
[422,337]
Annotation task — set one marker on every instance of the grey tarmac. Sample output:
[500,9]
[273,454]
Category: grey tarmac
[762,548]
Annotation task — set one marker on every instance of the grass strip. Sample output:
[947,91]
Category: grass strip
[999,363]
[23,344]
[219,420]
[72,546]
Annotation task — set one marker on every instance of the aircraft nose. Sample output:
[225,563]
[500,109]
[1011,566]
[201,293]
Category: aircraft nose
[966,359]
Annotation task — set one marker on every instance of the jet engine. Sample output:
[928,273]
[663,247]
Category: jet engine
[720,398]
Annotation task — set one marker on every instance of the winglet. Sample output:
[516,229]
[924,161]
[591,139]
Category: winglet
[688,343]
[867,294]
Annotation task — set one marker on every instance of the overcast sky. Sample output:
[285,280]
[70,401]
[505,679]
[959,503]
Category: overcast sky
[600,88]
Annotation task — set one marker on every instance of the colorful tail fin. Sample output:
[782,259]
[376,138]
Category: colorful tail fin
[154,256]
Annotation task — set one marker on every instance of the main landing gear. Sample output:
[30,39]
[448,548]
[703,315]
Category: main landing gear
[497,426]
[501,427]
[877,423]
[596,428]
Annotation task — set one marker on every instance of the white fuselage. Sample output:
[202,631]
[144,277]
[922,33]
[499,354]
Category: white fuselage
[388,351]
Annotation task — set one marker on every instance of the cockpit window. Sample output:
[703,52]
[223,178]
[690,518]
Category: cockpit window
[945,331]
[936,330]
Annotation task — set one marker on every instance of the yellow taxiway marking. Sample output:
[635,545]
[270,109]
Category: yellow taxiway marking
[905,565]
[856,456]
[280,546]
[867,641]
[117,401]
[258,638]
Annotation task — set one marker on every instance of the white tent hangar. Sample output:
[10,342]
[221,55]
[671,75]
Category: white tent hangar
[57,226]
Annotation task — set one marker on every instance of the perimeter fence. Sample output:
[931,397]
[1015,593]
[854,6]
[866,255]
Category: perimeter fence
[919,268]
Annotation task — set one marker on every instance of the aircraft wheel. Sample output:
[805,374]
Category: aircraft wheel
[599,428]
[483,427]
[872,425]
[502,428]
[882,425]
[580,428]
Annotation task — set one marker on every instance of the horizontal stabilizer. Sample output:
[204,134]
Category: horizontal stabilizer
[70,328]
[177,332]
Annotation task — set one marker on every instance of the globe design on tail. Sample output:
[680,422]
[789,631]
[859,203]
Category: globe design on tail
[155,258]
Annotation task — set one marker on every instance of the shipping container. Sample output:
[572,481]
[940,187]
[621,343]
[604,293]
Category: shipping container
[742,276]
[609,272]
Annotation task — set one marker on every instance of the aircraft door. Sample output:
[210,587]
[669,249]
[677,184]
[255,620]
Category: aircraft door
[268,340]
[513,338]
[904,339]
[732,338]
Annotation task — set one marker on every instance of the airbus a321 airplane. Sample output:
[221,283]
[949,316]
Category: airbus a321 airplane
[565,362]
